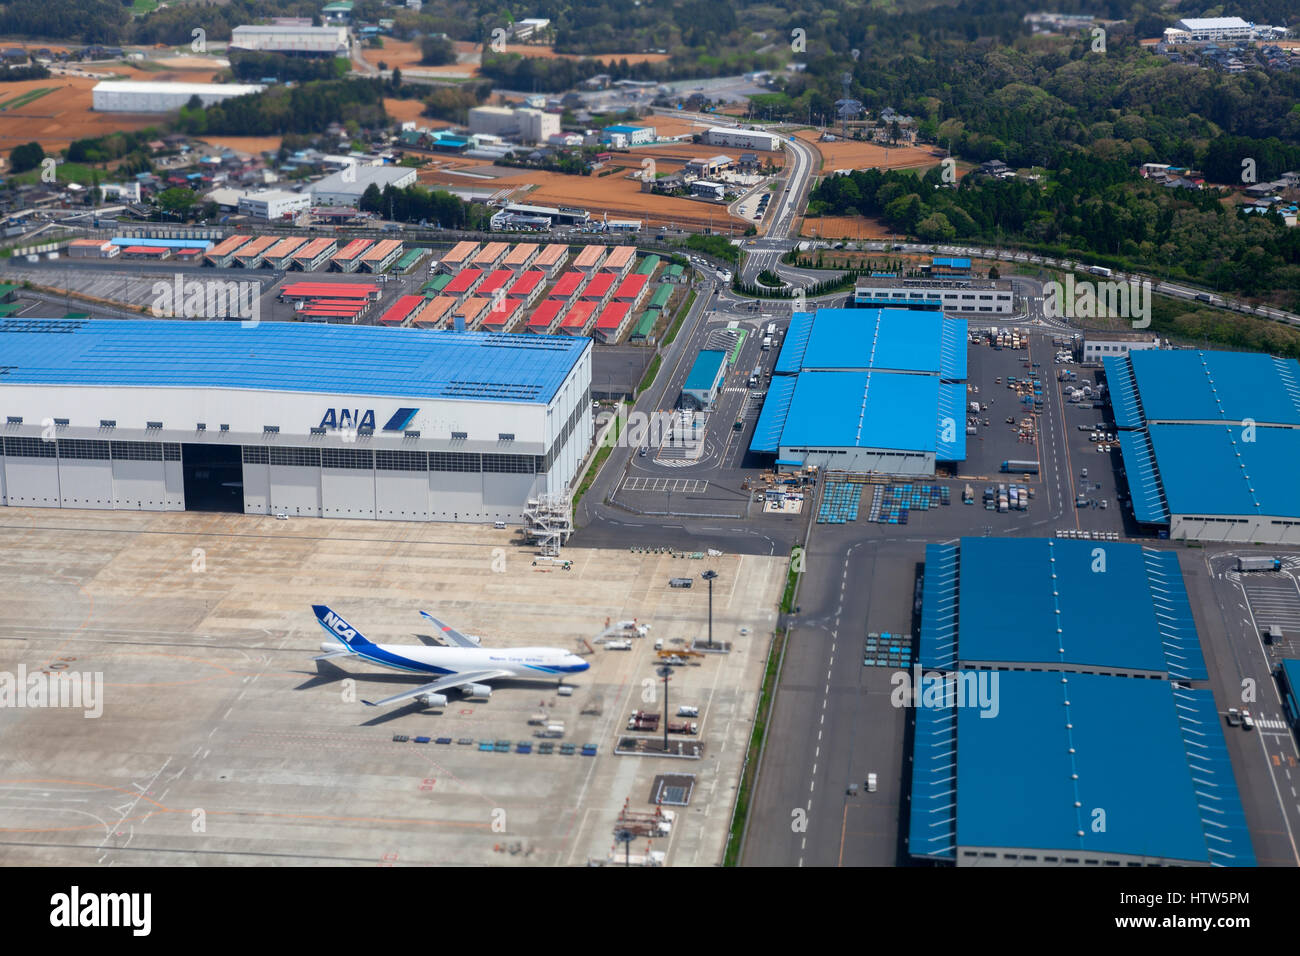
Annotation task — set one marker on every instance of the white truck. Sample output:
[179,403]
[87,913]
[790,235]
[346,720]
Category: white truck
[618,645]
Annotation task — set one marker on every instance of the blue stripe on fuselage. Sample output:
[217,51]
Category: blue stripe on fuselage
[377,655]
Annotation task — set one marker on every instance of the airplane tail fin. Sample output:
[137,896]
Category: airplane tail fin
[339,629]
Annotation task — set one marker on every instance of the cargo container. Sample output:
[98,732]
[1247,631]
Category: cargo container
[1027,467]
[1259,563]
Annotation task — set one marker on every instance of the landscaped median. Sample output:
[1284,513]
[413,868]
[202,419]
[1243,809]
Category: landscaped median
[762,714]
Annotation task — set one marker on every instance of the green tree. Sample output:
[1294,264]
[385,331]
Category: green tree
[25,157]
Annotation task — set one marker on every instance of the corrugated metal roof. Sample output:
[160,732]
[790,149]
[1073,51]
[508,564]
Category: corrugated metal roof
[790,361]
[766,439]
[1130,746]
[1215,470]
[938,638]
[1149,506]
[863,410]
[704,373]
[1123,392]
[1072,608]
[1206,386]
[950,428]
[284,356]
[932,824]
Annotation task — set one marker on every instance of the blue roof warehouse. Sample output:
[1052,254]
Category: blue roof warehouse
[1092,743]
[289,418]
[1211,442]
[867,390]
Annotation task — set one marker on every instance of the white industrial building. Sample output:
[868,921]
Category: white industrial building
[288,38]
[525,125]
[273,203]
[289,418]
[1100,344]
[741,138]
[954,296]
[134,96]
[346,187]
[1216,29]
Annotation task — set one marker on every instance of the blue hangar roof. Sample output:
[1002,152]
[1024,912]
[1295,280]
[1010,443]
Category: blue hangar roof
[864,410]
[1203,386]
[898,340]
[1124,609]
[1208,433]
[1032,769]
[704,373]
[1211,470]
[284,356]
[868,378]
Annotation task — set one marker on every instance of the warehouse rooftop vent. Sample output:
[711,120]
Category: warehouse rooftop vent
[153,424]
[61,421]
[201,427]
[108,423]
[317,430]
[459,436]
[14,420]
[411,433]
[271,429]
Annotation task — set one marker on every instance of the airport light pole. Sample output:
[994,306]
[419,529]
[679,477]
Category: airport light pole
[624,836]
[666,673]
[709,576]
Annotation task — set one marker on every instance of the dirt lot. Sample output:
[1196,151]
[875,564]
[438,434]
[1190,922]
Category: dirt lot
[405,54]
[855,155]
[844,227]
[56,119]
[673,157]
[620,197]
[251,145]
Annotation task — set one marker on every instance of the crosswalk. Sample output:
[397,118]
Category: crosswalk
[1270,724]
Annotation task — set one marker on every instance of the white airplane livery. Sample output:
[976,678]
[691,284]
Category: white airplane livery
[463,664]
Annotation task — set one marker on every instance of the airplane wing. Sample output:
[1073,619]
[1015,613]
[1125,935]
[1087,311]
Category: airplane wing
[342,652]
[443,683]
[449,632]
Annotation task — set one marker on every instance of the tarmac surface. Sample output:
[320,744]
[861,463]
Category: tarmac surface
[220,743]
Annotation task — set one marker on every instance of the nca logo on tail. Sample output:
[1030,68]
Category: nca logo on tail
[339,626]
[356,418]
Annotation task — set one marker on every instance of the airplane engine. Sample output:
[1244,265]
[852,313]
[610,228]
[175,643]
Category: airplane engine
[476,690]
[432,700]
[475,638]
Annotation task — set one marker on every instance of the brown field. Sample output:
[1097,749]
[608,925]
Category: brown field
[674,156]
[856,155]
[250,145]
[844,227]
[619,196]
[408,111]
[56,119]
[405,55]
[676,126]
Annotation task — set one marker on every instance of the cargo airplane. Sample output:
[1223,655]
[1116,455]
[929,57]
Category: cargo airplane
[464,665]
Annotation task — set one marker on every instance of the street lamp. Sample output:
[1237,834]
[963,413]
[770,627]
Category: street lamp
[666,673]
[625,836]
[709,575]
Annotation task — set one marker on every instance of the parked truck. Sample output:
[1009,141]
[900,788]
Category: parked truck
[1259,563]
[682,727]
[643,720]
[1017,467]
